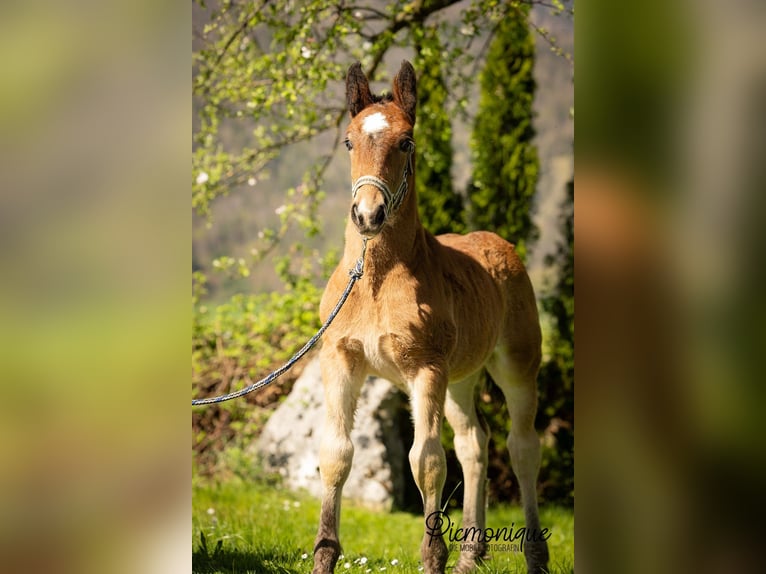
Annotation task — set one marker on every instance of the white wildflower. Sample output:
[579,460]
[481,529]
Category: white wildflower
[306,52]
[211,511]
[347,565]
[202,177]
[304,556]
[251,182]
[280,210]
[394,562]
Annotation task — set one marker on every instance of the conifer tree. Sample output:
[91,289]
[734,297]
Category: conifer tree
[440,206]
[505,160]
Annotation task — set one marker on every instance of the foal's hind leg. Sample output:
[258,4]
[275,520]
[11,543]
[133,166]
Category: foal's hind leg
[342,384]
[428,463]
[471,448]
[516,374]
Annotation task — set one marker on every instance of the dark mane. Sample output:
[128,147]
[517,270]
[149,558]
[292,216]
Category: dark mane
[383,98]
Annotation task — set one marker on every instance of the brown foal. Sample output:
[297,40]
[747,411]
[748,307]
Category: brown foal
[430,314]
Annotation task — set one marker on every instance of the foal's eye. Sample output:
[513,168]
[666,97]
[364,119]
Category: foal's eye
[407,145]
[349,145]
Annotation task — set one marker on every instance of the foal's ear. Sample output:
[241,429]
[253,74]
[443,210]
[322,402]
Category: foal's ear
[358,94]
[405,92]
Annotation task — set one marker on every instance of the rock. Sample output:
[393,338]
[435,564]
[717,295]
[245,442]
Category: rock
[380,475]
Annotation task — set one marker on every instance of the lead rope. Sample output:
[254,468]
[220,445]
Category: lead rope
[355,273]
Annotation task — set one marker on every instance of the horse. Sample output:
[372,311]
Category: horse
[430,314]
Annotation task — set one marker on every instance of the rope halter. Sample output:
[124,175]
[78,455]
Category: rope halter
[391,201]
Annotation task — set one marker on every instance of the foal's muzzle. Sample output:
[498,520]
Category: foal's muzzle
[370,215]
[369,219]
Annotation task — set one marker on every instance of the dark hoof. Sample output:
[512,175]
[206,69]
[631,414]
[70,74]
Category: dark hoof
[434,553]
[466,564]
[326,553]
[536,554]
[469,559]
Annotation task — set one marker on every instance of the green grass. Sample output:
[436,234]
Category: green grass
[263,529]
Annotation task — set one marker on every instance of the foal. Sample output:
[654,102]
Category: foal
[430,314]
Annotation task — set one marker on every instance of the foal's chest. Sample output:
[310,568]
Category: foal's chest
[401,338]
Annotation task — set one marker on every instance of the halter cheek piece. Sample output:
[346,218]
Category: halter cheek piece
[391,201]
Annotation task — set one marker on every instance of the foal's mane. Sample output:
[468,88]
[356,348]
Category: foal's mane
[382,98]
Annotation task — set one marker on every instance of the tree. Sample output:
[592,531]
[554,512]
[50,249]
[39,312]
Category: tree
[556,380]
[505,159]
[441,207]
[267,76]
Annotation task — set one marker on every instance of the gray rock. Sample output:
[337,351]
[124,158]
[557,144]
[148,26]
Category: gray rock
[380,475]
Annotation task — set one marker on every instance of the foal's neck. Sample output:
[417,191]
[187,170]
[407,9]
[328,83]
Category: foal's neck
[401,242]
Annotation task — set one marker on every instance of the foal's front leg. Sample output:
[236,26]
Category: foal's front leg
[429,467]
[342,383]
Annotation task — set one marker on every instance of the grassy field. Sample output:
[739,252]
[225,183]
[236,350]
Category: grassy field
[262,529]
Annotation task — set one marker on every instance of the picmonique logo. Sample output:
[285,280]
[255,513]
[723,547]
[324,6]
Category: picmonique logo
[506,538]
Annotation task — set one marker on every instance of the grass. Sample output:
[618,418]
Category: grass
[262,529]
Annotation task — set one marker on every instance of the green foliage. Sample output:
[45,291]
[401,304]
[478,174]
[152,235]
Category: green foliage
[441,208]
[256,330]
[234,345]
[504,158]
[556,379]
[255,92]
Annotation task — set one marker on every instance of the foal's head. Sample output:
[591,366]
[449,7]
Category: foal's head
[379,140]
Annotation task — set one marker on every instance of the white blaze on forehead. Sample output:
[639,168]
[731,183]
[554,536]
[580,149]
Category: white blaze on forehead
[374,123]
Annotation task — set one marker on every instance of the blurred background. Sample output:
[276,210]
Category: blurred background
[670,182]
[94,267]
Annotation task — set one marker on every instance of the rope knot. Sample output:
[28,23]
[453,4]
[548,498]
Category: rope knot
[357,270]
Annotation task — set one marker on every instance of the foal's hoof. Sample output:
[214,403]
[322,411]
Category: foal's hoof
[536,554]
[466,564]
[326,555]
[434,553]
[469,560]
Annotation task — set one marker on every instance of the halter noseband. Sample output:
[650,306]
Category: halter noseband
[391,201]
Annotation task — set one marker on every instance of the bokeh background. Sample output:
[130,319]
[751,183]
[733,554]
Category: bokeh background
[669,204]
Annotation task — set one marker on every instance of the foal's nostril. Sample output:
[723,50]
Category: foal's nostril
[355,215]
[378,216]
